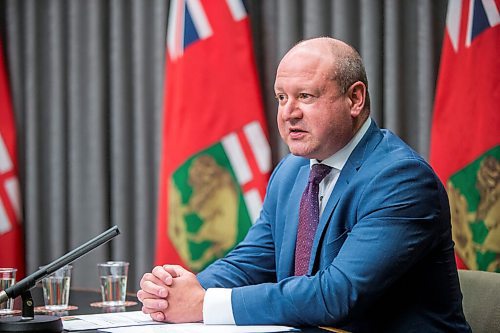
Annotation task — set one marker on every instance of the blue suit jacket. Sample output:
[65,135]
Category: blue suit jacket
[382,258]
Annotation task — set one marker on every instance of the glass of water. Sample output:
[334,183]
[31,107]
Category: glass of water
[56,289]
[113,277]
[7,279]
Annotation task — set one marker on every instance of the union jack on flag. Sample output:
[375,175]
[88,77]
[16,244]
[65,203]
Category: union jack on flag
[188,23]
[483,14]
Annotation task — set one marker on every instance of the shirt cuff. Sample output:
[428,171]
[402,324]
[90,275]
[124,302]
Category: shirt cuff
[217,307]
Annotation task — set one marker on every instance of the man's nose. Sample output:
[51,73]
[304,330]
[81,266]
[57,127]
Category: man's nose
[291,110]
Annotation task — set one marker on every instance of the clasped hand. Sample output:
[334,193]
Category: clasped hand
[173,294]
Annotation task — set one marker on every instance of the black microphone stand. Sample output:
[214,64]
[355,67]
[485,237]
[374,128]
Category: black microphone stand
[28,322]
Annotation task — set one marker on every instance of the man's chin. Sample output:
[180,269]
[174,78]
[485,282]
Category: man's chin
[300,152]
[307,154]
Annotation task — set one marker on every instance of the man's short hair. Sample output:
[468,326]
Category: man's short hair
[349,68]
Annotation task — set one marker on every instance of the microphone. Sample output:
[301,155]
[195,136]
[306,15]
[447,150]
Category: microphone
[28,323]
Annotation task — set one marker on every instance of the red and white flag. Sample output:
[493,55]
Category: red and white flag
[465,138]
[11,234]
[216,157]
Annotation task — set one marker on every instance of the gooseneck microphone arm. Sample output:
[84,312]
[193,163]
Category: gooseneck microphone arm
[30,281]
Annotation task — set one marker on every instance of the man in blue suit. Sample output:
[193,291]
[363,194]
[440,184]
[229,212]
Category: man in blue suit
[365,246]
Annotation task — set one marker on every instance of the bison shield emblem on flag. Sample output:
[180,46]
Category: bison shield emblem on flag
[474,194]
[207,212]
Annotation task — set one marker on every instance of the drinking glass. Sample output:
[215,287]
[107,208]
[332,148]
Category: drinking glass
[113,278]
[7,279]
[56,289]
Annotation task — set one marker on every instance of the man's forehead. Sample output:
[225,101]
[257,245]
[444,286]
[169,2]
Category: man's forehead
[303,80]
[284,82]
[306,61]
[305,65]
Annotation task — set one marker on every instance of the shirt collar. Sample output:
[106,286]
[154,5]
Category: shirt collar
[339,159]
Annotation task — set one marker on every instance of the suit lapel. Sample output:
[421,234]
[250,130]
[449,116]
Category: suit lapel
[367,144]
[287,255]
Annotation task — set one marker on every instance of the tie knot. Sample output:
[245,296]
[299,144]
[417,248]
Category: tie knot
[318,172]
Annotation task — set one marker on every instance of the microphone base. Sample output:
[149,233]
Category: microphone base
[41,323]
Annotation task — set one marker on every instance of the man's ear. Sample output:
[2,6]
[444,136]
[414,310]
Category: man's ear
[357,97]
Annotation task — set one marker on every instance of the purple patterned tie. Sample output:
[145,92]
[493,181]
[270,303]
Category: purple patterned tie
[308,218]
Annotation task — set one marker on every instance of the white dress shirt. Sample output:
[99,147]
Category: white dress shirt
[217,307]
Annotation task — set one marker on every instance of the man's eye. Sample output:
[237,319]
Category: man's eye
[280,97]
[304,96]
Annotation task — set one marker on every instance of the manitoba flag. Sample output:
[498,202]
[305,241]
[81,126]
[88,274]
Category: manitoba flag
[215,152]
[465,140]
[11,235]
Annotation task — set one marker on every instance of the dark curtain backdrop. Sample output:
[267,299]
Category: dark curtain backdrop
[87,83]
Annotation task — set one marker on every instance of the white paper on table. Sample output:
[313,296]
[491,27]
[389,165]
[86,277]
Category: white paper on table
[107,320]
[201,328]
